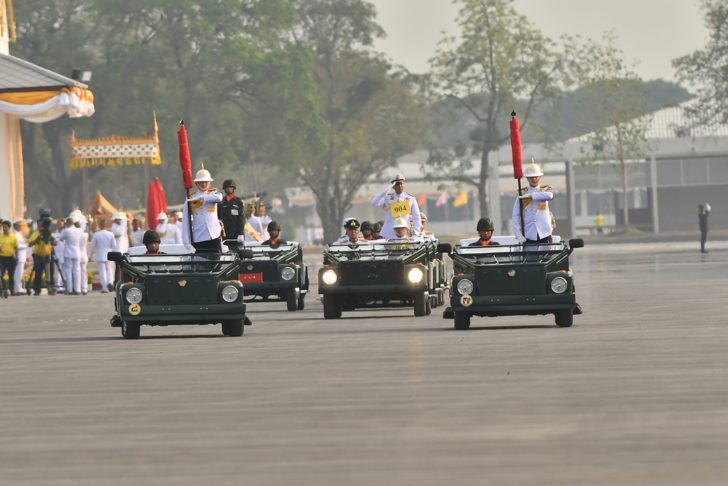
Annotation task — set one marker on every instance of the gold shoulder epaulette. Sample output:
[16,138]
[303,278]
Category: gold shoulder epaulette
[547,188]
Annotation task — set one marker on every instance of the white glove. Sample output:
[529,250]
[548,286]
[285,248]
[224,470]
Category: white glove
[521,240]
[525,196]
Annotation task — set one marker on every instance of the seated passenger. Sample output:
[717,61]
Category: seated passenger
[274,230]
[485,230]
[352,235]
[376,229]
[428,235]
[401,229]
[151,241]
[366,230]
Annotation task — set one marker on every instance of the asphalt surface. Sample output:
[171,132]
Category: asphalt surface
[636,392]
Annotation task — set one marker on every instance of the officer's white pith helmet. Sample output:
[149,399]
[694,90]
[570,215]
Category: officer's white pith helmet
[533,170]
[203,175]
[400,223]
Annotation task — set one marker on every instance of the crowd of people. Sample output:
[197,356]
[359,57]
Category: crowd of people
[58,252]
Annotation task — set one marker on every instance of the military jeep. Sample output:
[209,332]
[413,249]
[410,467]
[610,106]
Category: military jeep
[512,279]
[276,272]
[382,274]
[171,289]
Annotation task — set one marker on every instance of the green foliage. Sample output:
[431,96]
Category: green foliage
[500,62]
[707,69]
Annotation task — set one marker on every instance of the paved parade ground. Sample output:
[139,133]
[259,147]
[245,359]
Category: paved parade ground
[636,392]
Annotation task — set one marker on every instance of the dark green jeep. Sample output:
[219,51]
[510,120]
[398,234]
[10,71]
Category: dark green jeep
[166,289]
[512,279]
[276,272]
[383,274]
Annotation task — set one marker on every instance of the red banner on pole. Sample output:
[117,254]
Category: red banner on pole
[516,147]
[185,161]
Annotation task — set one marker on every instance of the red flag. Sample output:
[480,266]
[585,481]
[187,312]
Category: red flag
[422,200]
[516,147]
[185,161]
[156,202]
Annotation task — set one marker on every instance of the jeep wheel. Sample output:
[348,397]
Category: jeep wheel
[421,303]
[462,321]
[332,308]
[233,328]
[301,300]
[564,318]
[130,330]
[292,299]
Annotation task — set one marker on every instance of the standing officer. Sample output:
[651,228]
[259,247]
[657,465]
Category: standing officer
[120,232]
[231,211]
[536,215]
[21,232]
[102,243]
[265,220]
[703,213]
[168,231]
[71,238]
[206,228]
[397,203]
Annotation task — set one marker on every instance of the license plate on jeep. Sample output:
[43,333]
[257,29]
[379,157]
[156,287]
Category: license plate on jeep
[251,277]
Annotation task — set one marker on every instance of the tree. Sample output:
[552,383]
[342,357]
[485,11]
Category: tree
[363,115]
[706,68]
[613,99]
[499,62]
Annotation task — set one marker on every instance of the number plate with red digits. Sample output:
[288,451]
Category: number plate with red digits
[251,277]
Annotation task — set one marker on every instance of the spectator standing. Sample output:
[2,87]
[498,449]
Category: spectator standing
[8,253]
[21,232]
[703,213]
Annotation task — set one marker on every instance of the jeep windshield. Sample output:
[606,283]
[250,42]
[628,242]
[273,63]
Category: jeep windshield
[374,251]
[509,254]
[166,264]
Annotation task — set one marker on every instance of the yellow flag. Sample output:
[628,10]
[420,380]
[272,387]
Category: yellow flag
[461,200]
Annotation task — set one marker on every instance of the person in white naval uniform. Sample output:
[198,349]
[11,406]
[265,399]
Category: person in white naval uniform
[206,227]
[397,203]
[168,232]
[83,254]
[119,229]
[265,220]
[21,233]
[59,252]
[102,243]
[71,236]
[536,214]
[137,233]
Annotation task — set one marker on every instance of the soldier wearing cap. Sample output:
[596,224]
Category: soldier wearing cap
[485,231]
[151,240]
[168,232]
[352,236]
[376,230]
[536,214]
[397,203]
[366,230]
[274,230]
[231,211]
[206,228]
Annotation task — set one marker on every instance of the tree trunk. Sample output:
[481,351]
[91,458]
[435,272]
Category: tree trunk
[623,167]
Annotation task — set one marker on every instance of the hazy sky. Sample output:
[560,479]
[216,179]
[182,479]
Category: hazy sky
[650,32]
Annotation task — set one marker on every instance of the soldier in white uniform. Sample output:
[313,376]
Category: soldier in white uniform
[59,252]
[352,236]
[137,233]
[21,233]
[536,214]
[71,236]
[397,203]
[206,227]
[119,228]
[168,232]
[401,228]
[83,254]
[102,243]
[264,220]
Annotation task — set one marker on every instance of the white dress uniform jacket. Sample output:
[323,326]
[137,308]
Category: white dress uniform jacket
[102,243]
[136,238]
[385,199]
[344,240]
[122,240]
[83,261]
[21,254]
[169,234]
[536,213]
[72,238]
[205,225]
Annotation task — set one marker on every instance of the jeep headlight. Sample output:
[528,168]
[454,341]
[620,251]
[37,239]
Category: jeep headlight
[329,277]
[230,293]
[134,295]
[287,273]
[415,275]
[559,285]
[465,287]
